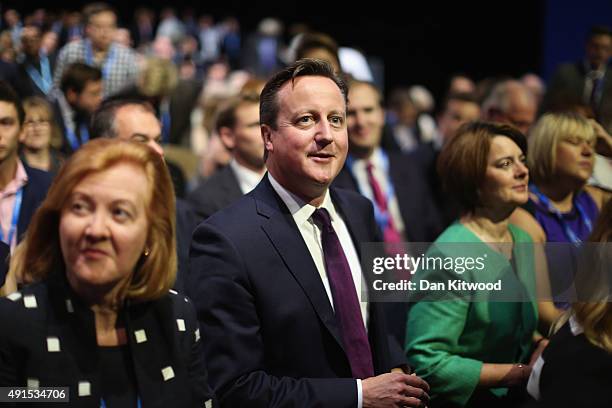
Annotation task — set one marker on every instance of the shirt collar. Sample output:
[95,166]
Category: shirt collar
[246,177]
[300,210]
[20,179]
[376,160]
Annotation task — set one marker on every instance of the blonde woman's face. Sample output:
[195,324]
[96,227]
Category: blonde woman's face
[37,130]
[575,157]
[103,228]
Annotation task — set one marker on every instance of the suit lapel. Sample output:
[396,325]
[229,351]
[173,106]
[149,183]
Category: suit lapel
[279,226]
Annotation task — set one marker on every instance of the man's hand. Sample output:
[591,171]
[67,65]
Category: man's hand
[394,390]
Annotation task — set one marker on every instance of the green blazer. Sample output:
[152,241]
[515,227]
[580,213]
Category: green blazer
[448,341]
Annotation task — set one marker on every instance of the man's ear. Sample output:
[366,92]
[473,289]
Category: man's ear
[227,137]
[266,134]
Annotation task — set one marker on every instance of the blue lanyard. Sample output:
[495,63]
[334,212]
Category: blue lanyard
[165,120]
[571,235]
[381,216]
[103,404]
[14,218]
[108,62]
[72,137]
[44,82]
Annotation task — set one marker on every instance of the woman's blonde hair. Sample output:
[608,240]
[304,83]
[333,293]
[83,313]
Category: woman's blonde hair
[595,316]
[155,273]
[544,138]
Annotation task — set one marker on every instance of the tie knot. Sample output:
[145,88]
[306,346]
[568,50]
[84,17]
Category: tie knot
[321,216]
[369,167]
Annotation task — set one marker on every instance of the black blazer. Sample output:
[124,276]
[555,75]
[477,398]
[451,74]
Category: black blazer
[185,224]
[34,192]
[421,218]
[24,351]
[215,193]
[272,339]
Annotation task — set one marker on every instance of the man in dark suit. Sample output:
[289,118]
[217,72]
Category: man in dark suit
[238,127]
[35,68]
[394,182]
[22,188]
[586,82]
[274,276]
[134,119]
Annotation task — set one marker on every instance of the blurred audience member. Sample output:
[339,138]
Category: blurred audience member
[118,63]
[318,45]
[409,127]
[22,188]
[78,96]
[262,50]
[35,66]
[536,85]
[510,102]
[458,108]
[561,208]
[588,81]
[584,339]
[41,136]
[460,83]
[237,125]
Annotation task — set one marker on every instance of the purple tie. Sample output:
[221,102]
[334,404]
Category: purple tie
[346,303]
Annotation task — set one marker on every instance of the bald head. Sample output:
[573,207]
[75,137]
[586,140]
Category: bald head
[512,103]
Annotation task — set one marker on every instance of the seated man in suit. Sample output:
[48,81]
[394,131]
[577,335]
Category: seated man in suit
[237,124]
[134,119]
[275,276]
[404,208]
[22,188]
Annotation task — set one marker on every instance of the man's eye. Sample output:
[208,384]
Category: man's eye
[304,120]
[337,121]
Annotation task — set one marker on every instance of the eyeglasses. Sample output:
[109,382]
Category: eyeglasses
[39,122]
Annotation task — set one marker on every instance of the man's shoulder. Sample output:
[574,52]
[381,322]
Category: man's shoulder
[221,186]
[71,49]
[123,51]
[38,177]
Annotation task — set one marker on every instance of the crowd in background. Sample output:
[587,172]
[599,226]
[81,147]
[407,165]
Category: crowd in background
[495,161]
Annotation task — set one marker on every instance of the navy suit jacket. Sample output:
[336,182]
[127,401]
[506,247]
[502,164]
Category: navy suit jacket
[34,192]
[217,192]
[270,335]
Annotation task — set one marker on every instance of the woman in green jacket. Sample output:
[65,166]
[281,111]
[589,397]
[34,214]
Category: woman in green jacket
[472,346]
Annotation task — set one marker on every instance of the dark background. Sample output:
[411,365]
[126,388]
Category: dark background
[424,42]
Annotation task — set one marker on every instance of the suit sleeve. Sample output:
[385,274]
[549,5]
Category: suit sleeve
[231,333]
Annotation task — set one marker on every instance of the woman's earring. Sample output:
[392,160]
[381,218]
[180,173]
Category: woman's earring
[147,251]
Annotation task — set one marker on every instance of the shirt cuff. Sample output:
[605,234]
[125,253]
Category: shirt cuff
[359,394]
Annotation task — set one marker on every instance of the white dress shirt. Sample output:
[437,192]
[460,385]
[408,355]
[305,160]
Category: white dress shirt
[247,178]
[363,183]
